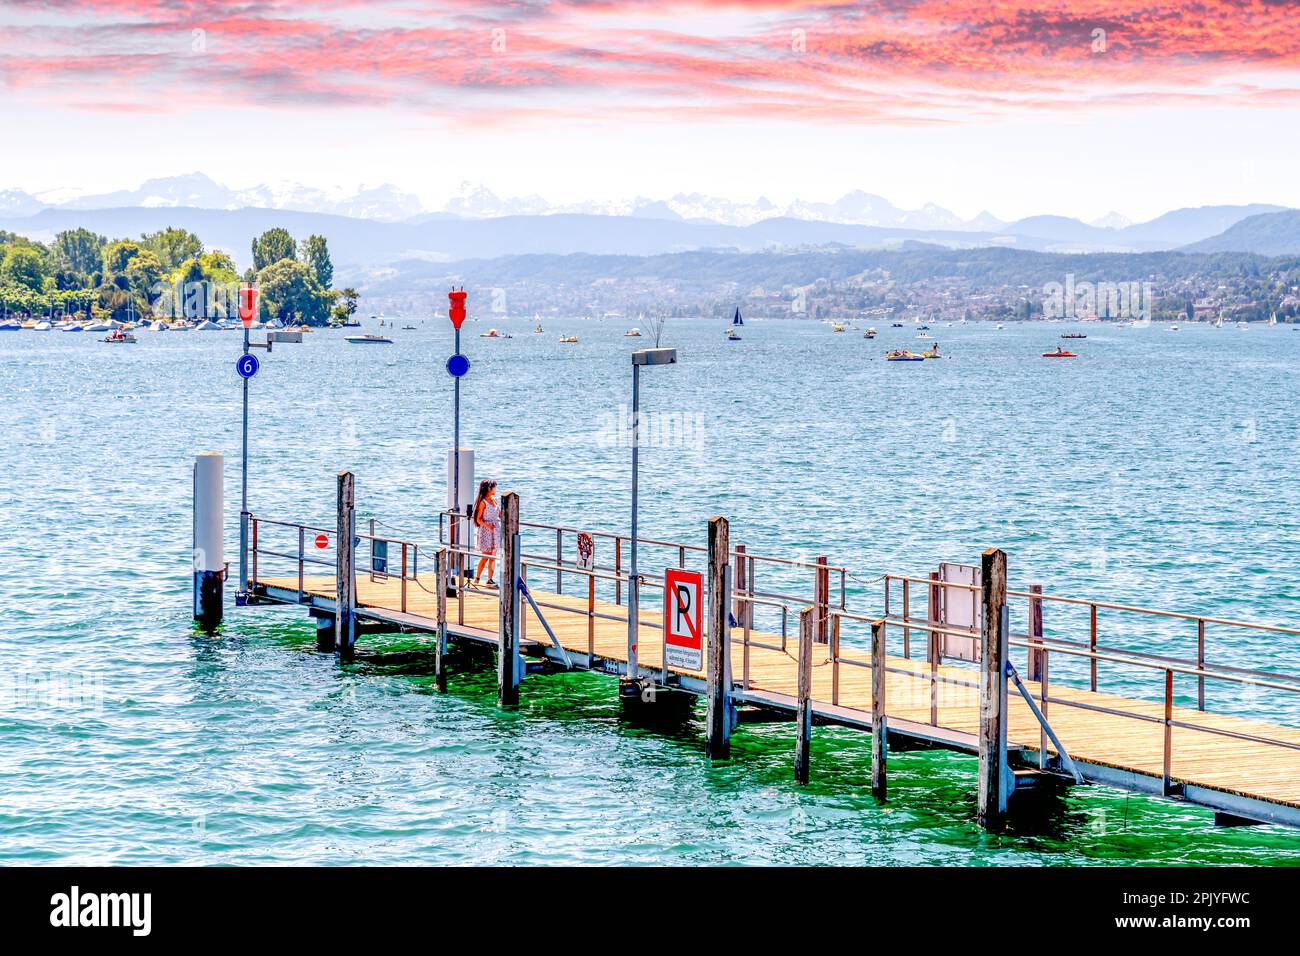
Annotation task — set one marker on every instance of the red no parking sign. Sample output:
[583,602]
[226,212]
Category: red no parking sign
[684,645]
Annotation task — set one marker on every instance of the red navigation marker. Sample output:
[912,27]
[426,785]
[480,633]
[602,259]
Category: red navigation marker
[456,311]
[682,607]
[322,541]
[248,305]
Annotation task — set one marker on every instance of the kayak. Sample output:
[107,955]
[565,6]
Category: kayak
[1059,353]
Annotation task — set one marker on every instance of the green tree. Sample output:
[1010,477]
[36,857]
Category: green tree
[290,292]
[117,255]
[79,250]
[172,246]
[23,265]
[143,272]
[316,254]
[347,307]
[271,247]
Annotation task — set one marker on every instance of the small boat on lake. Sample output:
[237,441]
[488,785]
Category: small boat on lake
[119,337]
[369,338]
[632,334]
[1060,353]
[870,333]
[1074,335]
[733,335]
[568,339]
[903,355]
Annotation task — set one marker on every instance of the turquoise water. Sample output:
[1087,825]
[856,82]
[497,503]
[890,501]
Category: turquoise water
[1156,469]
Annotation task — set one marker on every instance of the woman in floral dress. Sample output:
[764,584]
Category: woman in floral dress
[487,518]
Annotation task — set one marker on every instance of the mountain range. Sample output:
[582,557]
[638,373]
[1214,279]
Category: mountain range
[376,226]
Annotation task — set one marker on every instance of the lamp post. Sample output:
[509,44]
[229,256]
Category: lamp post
[457,366]
[246,367]
[642,357]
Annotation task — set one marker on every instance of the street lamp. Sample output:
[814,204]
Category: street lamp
[639,358]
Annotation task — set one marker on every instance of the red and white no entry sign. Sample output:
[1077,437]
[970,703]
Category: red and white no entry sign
[683,591]
[322,541]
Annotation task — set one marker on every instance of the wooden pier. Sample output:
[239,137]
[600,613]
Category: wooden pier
[899,680]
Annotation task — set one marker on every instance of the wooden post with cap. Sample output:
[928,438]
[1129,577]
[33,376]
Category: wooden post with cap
[508,663]
[994,776]
[345,589]
[718,663]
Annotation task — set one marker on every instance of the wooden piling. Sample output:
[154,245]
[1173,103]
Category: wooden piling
[508,634]
[443,567]
[803,706]
[345,602]
[994,775]
[1036,653]
[879,743]
[718,665]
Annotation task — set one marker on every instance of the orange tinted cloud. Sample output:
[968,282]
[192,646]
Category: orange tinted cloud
[901,61]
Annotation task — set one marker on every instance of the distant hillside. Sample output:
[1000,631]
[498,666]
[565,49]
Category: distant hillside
[773,270]
[1271,234]
[653,229]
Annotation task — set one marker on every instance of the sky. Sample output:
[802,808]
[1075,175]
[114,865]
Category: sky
[1019,107]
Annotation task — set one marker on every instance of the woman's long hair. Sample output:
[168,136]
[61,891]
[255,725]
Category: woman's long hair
[483,487]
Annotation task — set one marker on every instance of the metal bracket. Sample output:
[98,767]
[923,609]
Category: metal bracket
[1051,734]
[523,589]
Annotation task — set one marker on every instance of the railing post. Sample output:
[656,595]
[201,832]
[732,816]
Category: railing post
[403,577]
[835,660]
[591,617]
[1036,653]
[345,588]
[302,544]
[907,616]
[822,601]
[740,583]
[803,706]
[718,669]
[931,646]
[442,565]
[559,560]
[618,570]
[1200,664]
[993,773]
[1092,647]
[879,732]
[1168,782]
[508,632]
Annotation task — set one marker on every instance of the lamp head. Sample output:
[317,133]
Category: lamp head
[654,357]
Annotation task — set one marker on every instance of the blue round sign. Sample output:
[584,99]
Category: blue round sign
[246,366]
[457,366]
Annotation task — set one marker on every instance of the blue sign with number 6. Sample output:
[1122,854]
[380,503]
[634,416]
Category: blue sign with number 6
[246,366]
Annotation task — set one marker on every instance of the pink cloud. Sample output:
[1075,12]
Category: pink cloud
[906,61]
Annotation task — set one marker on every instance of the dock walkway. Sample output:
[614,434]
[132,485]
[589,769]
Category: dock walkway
[1244,768]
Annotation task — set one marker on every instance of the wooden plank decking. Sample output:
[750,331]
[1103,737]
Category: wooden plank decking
[1257,771]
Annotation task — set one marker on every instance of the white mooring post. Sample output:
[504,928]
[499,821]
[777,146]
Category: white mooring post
[460,496]
[345,590]
[718,665]
[209,555]
[995,776]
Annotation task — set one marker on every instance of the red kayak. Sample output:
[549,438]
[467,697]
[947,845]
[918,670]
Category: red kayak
[1060,353]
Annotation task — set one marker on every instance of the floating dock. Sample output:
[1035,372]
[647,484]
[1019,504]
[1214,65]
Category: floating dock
[948,677]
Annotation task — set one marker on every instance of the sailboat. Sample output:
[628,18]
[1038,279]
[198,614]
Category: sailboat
[736,320]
